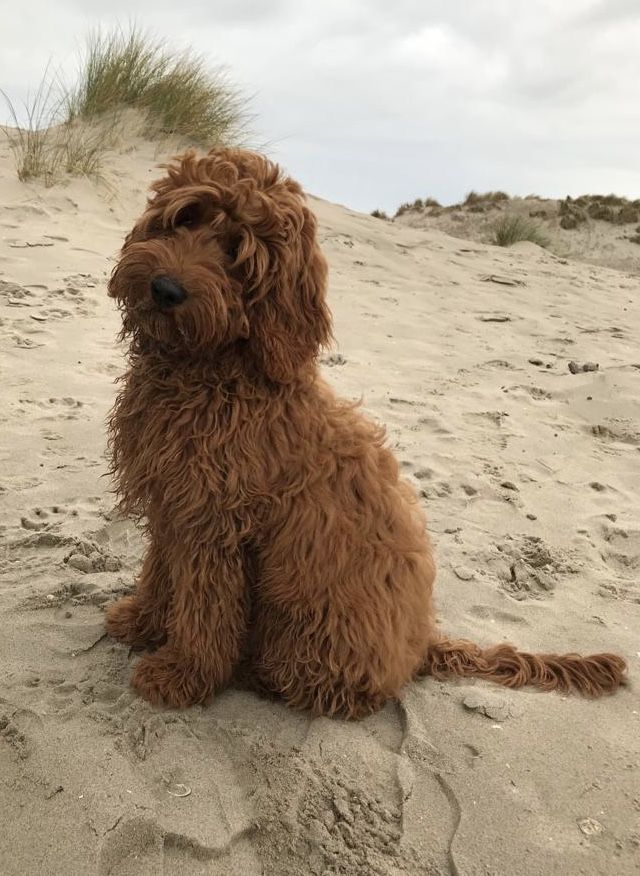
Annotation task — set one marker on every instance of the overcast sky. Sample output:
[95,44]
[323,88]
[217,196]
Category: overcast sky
[374,102]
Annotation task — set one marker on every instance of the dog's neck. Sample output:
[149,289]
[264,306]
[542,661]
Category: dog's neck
[232,368]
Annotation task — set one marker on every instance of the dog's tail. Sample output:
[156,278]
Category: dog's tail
[593,675]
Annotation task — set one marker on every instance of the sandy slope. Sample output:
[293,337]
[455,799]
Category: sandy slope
[531,478]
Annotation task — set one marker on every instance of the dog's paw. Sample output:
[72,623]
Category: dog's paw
[126,622]
[165,677]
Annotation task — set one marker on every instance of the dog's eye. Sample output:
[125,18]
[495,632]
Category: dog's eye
[231,245]
[188,216]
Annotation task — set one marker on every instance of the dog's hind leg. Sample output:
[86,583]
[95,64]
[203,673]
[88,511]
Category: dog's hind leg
[206,628]
[331,662]
[140,619]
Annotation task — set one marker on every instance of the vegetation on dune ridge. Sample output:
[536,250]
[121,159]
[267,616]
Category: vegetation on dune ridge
[67,130]
[607,208]
[569,213]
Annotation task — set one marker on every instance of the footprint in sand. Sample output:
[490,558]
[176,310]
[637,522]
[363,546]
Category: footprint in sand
[45,518]
[43,304]
[434,425]
[534,392]
[10,733]
[620,550]
[333,359]
[66,408]
[437,490]
[14,295]
[15,727]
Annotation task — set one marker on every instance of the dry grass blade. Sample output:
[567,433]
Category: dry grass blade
[29,138]
[47,145]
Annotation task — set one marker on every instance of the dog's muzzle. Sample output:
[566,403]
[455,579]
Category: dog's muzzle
[167,293]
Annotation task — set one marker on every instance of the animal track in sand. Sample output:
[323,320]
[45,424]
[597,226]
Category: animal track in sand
[13,735]
[534,392]
[333,359]
[423,473]
[436,490]
[620,550]
[46,518]
[67,408]
[434,425]
[38,304]
[14,295]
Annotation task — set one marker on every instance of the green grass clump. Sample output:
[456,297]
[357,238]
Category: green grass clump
[379,214]
[512,229]
[67,130]
[176,92]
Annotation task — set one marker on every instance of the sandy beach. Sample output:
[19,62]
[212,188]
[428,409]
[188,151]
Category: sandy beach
[530,475]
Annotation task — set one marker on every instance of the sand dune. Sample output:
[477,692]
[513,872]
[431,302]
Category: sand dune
[575,228]
[531,477]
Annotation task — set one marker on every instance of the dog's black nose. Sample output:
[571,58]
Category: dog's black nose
[166,292]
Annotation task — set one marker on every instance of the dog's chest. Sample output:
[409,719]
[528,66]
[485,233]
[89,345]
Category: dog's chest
[189,447]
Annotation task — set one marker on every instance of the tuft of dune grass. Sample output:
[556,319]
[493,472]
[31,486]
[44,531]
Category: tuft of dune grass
[176,92]
[511,229]
[67,130]
[45,143]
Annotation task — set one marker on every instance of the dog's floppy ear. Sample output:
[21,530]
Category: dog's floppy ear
[288,317]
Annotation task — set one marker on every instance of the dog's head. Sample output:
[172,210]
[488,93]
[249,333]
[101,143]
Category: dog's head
[224,259]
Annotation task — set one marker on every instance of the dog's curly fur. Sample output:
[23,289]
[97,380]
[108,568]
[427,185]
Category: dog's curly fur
[281,536]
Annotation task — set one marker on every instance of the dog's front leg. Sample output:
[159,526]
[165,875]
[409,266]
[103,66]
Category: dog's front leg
[206,628]
[140,620]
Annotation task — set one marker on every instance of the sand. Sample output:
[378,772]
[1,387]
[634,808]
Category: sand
[530,475]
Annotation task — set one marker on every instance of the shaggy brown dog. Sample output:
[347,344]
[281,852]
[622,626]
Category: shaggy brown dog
[280,533]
